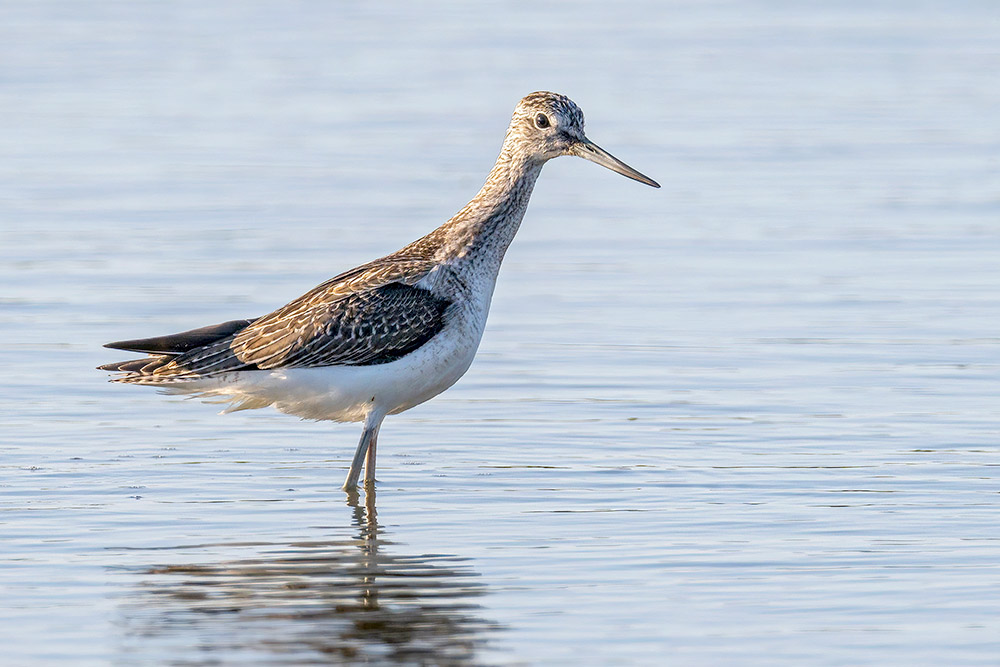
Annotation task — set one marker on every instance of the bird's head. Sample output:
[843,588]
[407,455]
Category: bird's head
[546,125]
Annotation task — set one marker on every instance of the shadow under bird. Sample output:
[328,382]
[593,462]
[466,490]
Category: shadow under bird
[387,335]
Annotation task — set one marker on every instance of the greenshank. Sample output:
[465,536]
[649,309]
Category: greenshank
[387,335]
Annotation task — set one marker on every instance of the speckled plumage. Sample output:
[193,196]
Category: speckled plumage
[389,334]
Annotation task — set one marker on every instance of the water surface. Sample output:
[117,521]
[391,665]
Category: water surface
[749,418]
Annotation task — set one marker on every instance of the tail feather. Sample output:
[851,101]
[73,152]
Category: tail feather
[144,365]
[166,354]
[143,371]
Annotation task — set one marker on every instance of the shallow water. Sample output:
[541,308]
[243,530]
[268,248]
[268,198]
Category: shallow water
[749,418]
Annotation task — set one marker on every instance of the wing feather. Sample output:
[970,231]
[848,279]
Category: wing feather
[372,314]
[372,327]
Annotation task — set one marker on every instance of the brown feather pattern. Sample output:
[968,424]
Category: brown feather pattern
[369,315]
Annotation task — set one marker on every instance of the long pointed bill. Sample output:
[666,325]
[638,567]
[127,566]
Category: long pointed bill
[588,150]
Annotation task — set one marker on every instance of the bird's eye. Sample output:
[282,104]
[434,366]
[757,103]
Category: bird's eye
[541,121]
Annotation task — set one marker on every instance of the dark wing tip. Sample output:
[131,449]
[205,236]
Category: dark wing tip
[144,345]
[180,343]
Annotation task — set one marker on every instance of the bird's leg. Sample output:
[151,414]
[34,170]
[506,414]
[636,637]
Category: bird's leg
[368,436]
[370,462]
[351,483]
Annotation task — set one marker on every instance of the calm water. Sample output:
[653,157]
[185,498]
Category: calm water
[750,418]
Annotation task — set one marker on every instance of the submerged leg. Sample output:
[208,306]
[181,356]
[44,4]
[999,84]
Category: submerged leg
[351,483]
[368,436]
[370,461]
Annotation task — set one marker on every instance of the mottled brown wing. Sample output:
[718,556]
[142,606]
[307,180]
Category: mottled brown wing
[372,314]
[371,327]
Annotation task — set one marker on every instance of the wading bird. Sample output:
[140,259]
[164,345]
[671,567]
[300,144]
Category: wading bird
[387,335]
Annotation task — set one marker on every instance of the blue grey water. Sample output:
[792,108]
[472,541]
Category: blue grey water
[750,418]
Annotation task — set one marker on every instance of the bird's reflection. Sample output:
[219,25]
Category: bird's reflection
[348,601]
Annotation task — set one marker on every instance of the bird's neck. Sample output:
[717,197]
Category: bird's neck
[481,232]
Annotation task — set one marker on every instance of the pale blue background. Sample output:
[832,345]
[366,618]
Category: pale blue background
[749,418]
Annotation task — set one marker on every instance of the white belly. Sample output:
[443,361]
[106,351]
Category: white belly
[350,393]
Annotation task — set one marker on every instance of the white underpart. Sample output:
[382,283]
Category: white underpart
[351,393]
